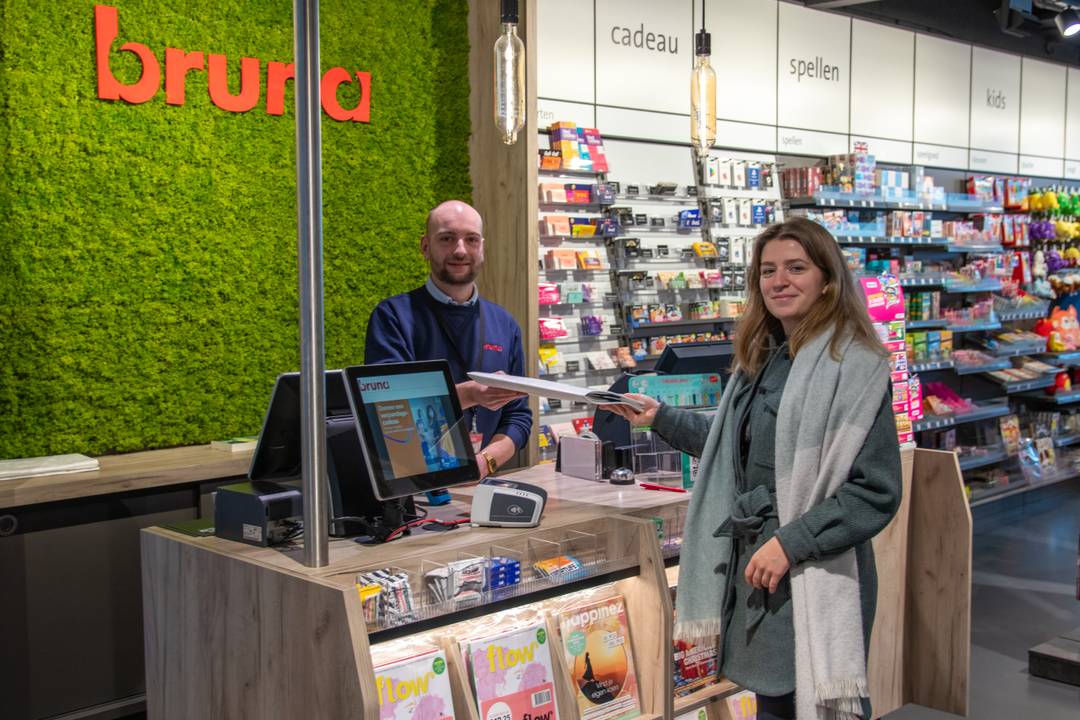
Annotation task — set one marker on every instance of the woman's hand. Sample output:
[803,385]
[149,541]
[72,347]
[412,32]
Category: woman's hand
[768,566]
[637,419]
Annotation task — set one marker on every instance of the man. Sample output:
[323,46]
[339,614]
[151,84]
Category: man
[447,319]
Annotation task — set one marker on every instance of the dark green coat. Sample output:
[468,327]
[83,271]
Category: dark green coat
[759,641]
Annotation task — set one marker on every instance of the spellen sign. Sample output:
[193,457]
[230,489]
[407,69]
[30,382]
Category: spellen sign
[178,63]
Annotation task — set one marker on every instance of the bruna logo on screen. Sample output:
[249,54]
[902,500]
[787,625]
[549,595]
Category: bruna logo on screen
[413,418]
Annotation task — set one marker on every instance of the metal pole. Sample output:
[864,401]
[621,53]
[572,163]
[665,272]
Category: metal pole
[309,238]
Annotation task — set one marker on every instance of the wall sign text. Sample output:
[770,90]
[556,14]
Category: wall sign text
[178,63]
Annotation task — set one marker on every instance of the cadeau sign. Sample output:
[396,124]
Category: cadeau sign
[178,63]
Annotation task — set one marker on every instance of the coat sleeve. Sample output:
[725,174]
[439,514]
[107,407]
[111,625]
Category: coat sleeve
[863,505]
[516,419]
[386,340]
[683,430]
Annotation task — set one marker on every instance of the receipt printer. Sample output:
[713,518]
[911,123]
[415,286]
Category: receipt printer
[258,512]
[498,502]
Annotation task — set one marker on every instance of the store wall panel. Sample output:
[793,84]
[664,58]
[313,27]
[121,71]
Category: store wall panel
[642,124]
[813,69]
[744,57]
[549,111]
[882,80]
[1044,166]
[648,163]
[643,49]
[1072,170]
[987,161]
[793,141]
[890,151]
[995,101]
[942,91]
[1072,114]
[1042,109]
[745,136]
[564,50]
[148,282]
[941,156]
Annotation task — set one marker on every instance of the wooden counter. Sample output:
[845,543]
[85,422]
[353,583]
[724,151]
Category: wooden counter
[249,631]
[126,473]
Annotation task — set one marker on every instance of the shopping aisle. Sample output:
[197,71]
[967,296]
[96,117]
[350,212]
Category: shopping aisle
[1024,593]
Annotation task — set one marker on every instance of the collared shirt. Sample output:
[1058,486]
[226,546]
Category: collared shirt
[446,299]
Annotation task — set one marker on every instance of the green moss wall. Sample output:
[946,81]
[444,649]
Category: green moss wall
[148,290]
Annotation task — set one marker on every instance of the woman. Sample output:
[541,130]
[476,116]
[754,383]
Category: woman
[800,468]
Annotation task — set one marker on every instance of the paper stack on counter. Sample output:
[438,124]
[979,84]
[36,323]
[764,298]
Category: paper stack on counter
[547,388]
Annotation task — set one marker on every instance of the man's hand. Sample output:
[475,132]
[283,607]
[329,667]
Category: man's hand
[768,566]
[472,393]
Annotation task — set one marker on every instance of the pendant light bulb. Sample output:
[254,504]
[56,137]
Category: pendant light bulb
[509,75]
[702,95]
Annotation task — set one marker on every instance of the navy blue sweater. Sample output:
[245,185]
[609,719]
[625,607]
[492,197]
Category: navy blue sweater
[407,327]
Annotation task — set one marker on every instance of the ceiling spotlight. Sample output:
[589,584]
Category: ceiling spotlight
[1068,22]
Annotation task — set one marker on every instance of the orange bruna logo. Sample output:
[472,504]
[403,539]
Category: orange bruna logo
[178,63]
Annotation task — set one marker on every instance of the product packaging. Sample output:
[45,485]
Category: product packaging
[512,676]
[415,687]
[599,659]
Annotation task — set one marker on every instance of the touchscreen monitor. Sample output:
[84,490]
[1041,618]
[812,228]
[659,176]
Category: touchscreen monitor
[412,431]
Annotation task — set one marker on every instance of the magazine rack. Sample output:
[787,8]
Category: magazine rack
[241,631]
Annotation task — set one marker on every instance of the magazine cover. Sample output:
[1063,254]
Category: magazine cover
[596,645]
[417,688]
[694,663]
[512,675]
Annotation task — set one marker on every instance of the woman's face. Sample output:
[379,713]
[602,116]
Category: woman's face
[790,282]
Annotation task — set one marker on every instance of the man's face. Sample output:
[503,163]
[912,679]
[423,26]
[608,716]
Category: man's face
[454,245]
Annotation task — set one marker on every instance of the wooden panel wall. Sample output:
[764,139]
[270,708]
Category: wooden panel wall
[504,180]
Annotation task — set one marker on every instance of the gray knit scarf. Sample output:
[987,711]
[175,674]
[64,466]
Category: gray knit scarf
[826,412]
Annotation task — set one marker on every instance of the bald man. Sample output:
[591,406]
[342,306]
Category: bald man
[447,319]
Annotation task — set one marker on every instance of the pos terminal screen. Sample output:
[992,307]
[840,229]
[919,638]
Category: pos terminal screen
[411,427]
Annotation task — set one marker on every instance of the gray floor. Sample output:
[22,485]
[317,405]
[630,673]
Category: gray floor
[1024,593]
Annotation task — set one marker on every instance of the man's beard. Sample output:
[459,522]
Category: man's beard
[444,276]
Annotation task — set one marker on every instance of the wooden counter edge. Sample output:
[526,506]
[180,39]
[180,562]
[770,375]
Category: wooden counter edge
[129,472]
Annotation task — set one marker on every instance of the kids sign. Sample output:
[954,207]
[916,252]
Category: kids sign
[178,63]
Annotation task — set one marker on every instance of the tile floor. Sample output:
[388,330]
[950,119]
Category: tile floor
[1024,593]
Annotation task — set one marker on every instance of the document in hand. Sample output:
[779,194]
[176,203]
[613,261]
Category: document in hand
[547,388]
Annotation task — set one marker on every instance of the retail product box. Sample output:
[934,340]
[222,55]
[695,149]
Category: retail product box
[415,687]
[512,674]
[884,298]
[600,659]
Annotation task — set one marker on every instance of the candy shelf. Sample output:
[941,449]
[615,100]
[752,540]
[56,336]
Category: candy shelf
[930,366]
[983,411]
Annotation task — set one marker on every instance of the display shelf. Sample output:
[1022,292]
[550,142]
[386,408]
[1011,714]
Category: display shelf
[1006,350]
[565,305]
[1023,484]
[1066,440]
[978,461]
[955,202]
[706,695]
[1016,315]
[552,172]
[921,324]
[683,323]
[1064,359]
[985,411]
[575,271]
[723,231]
[1002,364]
[433,616]
[927,280]
[592,239]
[629,230]
[930,366]
[889,240]
[957,288]
[975,249]
[670,199]
[589,207]
[974,327]
[585,374]
[662,265]
[578,339]
[716,192]
[1067,398]
[1022,386]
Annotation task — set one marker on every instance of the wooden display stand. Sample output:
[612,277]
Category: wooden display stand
[239,631]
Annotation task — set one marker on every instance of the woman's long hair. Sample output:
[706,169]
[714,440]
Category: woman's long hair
[841,307]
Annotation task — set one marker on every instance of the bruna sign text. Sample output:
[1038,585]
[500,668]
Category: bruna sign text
[178,63]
